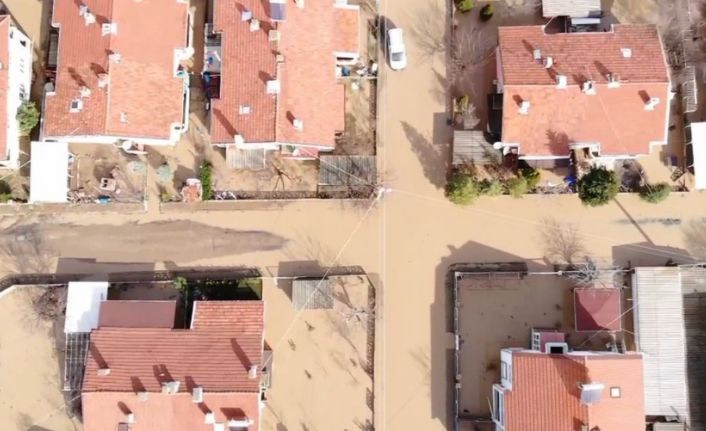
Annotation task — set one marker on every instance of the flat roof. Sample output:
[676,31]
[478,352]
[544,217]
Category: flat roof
[698,146]
[83,299]
[49,172]
[597,309]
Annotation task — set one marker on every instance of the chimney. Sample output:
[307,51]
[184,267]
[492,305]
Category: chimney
[239,423]
[170,387]
[114,57]
[627,52]
[252,372]
[143,395]
[613,80]
[274,36]
[561,81]
[109,28]
[85,91]
[548,62]
[273,86]
[279,58]
[588,87]
[103,371]
[651,104]
[103,80]
[299,3]
[524,107]
[537,55]
[130,418]
[89,18]
[239,140]
[591,393]
[209,418]
[197,394]
[246,15]
[254,24]
[298,124]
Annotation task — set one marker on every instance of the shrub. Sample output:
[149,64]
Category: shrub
[517,186]
[206,181]
[27,117]
[655,193]
[462,188]
[465,6]
[486,12]
[532,176]
[598,187]
[491,188]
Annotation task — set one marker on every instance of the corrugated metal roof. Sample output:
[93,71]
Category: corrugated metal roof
[694,291]
[660,335]
[312,294]
[572,8]
[470,146]
[347,171]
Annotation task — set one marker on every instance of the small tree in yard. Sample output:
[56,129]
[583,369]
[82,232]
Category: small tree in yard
[464,6]
[486,12]
[655,193]
[27,117]
[517,186]
[491,187]
[462,188]
[206,181]
[598,187]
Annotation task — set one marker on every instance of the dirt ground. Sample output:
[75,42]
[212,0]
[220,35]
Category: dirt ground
[30,395]
[321,368]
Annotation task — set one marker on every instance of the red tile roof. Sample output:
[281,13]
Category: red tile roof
[309,89]
[217,359]
[247,316]
[546,396]
[142,86]
[5,60]
[105,410]
[137,314]
[597,309]
[614,117]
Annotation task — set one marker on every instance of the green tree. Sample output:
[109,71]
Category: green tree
[486,12]
[27,117]
[532,176]
[462,188]
[517,186]
[491,187]
[655,193]
[205,175]
[465,6]
[598,187]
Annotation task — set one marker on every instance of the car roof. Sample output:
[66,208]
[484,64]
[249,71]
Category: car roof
[395,36]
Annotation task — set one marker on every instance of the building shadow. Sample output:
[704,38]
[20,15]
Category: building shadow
[649,254]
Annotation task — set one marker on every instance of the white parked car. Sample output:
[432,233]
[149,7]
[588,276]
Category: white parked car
[395,49]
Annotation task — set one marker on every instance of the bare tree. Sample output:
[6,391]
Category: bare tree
[561,241]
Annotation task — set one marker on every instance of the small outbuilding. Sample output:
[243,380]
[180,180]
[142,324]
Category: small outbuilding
[312,294]
[597,309]
[49,172]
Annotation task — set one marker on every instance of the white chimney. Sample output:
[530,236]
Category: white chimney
[85,91]
[524,107]
[143,395]
[537,55]
[209,418]
[246,15]
[252,372]
[239,140]
[170,387]
[299,3]
[627,52]
[197,394]
[103,80]
[244,109]
[588,87]
[298,124]
[109,28]
[114,57]
[89,18]
[254,24]
[273,86]
[279,58]
[548,62]
[103,371]
[651,104]
[591,393]
[561,81]
[130,418]
[613,80]
[82,10]
[239,423]
[274,35]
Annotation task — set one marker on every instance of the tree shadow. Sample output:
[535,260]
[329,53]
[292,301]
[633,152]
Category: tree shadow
[433,158]
[430,30]
[562,242]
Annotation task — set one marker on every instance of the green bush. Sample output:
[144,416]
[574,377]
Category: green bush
[655,193]
[598,187]
[491,188]
[532,176]
[27,117]
[517,186]
[465,6]
[462,188]
[486,12]
[206,180]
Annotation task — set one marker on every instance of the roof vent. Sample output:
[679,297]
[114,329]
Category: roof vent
[254,24]
[103,80]
[537,55]
[615,392]
[588,87]
[85,91]
[651,104]
[209,418]
[548,62]
[613,80]
[591,393]
[109,28]
[197,394]
[114,57]
[561,81]
[298,124]
[627,52]
[274,35]
[299,3]
[123,117]
[252,372]
[244,109]
[101,371]
[246,15]
[82,10]
[170,387]
[524,107]
[89,18]
[273,86]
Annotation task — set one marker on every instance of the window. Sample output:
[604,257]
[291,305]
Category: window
[498,407]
